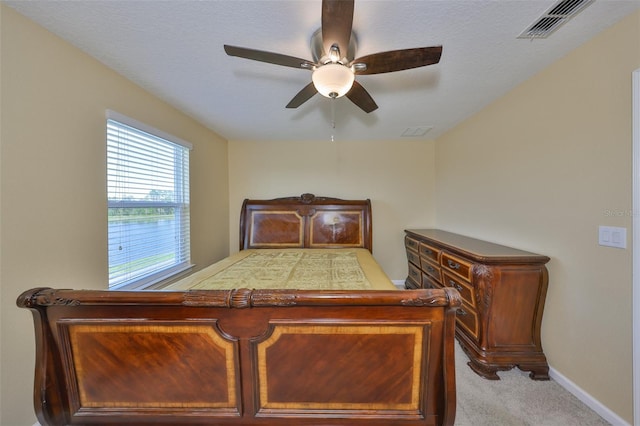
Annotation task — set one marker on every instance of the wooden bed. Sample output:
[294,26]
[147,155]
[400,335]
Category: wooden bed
[250,356]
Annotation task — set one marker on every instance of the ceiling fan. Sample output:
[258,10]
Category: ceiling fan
[334,67]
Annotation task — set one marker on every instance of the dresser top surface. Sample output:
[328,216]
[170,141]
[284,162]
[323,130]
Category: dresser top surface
[479,250]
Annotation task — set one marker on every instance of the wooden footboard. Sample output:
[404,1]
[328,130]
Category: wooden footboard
[250,357]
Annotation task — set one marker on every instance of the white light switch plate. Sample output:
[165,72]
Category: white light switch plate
[612,236]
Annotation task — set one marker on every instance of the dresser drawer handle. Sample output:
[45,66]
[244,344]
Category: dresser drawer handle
[430,269]
[452,264]
[455,285]
[462,312]
[413,273]
[427,251]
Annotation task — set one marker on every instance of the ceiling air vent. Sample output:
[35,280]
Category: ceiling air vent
[414,132]
[553,18]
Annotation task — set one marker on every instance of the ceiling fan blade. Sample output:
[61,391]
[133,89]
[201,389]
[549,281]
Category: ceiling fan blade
[303,96]
[398,60]
[269,57]
[359,96]
[337,19]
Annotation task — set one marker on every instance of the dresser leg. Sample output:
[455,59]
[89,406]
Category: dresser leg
[486,371]
[536,372]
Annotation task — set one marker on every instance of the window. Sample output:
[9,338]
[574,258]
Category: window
[148,203]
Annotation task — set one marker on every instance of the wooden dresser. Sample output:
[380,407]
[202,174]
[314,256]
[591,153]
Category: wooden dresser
[503,293]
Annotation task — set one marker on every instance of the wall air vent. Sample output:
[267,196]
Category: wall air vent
[553,18]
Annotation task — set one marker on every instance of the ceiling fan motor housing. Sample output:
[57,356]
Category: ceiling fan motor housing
[320,56]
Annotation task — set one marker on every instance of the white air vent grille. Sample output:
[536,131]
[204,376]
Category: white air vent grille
[414,132]
[552,19]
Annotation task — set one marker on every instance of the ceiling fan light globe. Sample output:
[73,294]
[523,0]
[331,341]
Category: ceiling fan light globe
[333,80]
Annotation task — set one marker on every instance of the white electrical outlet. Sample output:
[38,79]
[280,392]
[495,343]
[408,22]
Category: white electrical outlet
[612,236]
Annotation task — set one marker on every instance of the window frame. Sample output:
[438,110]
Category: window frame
[156,278]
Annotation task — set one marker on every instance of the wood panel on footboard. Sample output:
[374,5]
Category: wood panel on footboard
[250,357]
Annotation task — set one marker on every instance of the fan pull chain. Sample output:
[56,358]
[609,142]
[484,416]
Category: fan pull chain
[333,118]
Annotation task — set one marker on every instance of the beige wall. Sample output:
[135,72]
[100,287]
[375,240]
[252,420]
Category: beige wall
[53,187]
[398,177]
[540,169]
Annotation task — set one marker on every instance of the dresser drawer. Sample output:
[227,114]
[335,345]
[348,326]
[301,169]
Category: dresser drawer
[429,252]
[410,284]
[414,273]
[429,282]
[467,318]
[411,244]
[413,257]
[430,269]
[458,266]
[465,289]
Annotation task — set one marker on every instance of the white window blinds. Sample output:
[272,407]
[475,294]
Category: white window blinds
[148,203]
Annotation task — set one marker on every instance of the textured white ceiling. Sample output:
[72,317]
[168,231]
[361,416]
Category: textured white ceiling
[174,49]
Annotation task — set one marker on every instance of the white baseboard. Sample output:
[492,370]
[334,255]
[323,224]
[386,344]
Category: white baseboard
[587,399]
[398,283]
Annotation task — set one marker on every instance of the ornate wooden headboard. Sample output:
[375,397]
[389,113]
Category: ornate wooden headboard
[305,222]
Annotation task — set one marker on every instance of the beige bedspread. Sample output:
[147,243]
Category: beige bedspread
[302,269]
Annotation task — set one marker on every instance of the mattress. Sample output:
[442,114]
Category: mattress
[301,269]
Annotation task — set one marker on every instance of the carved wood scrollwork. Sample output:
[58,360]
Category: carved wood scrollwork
[449,297]
[307,198]
[239,298]
[46,297]
[419,301]
[273,298]
[484,277]
[206,298]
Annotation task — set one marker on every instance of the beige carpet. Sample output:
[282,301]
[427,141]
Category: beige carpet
[516,400]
